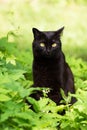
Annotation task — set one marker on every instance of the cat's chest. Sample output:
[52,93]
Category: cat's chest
[48,68]
[46,74]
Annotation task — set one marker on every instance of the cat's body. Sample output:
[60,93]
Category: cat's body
[49,66]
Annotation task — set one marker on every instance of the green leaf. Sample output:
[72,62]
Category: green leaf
[16,74]
[4,97]
[34,103]
[1,55]
[4,91]
[11,59]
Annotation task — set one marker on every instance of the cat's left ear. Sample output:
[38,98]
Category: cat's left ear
[36,32]
[59,32]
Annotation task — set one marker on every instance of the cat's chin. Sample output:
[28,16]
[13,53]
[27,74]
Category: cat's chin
[49,57]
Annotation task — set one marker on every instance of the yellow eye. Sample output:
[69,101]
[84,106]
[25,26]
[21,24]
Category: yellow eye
[42,44]
[54,45]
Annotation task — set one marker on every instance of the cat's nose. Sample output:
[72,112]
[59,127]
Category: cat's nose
[48,51]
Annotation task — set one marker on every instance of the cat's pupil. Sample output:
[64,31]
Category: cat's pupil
[54,45]
[42,44]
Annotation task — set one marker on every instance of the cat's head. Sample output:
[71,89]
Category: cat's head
[47,43]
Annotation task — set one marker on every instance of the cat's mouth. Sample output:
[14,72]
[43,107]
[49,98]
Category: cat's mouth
[47,54]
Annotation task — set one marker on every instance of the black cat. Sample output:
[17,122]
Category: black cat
[49,66]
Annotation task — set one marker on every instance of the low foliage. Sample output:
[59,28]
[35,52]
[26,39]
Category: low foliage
[15,90]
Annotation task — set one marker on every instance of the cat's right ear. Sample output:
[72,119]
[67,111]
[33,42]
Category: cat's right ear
[36,32]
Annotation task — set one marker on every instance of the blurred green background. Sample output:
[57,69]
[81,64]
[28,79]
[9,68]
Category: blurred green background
[18,17]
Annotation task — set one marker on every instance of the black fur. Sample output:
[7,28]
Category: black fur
[49,66]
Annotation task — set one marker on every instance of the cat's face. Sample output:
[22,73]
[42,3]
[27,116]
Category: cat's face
[46,43]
